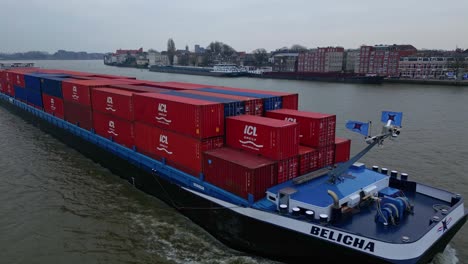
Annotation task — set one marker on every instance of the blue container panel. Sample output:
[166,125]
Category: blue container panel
[20,93]
[270,102]
[231,107]
[32,81]
[34,97]
[52,86]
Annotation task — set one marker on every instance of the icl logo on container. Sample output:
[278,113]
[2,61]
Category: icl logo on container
[75,95]
[110,104]
[164,144]
[52,104]
[162,114]
[112,128]
[290,119]
[7,76]
[250,134]
[18,79]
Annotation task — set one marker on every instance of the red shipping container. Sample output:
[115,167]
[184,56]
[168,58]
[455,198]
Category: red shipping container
[342,149]
[114,128]
[290,100]
[53,105]
[239,172]
[18,79]
[113,101]
[326,156]
[304,159]
[197,118]
[10,90]
[2,86]
[79,91]
[180,151]
[79,115]
[317,129]
[274,139]
[287,169]
[253,106]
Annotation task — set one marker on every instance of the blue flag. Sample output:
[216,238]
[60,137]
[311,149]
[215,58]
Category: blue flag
[359,127]
[396,117]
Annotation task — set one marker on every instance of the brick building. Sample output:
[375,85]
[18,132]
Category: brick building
[382,60]
[328,59]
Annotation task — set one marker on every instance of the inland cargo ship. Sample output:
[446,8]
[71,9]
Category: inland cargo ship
[218,70]
[244,164]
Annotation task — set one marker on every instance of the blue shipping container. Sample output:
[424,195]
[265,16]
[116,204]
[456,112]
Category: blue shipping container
[20,93]
[53,85]
[231,107]
[34,97]
[270,102]
[31,81]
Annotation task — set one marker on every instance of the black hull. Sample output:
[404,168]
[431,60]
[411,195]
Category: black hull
[340,79]
[190,72]
[233,229]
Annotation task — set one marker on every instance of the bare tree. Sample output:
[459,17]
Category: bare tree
[171,49]
[261,56]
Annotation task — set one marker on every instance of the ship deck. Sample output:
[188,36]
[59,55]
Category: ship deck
[362,221]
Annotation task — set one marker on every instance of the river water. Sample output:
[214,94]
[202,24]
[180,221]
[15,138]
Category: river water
[58,206]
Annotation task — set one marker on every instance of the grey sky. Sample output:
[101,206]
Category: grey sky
[107,25]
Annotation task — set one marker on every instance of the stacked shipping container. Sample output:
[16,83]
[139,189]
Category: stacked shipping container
[185,125]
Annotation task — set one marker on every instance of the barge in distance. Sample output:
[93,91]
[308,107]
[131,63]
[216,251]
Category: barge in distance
[340,210]
[218,70]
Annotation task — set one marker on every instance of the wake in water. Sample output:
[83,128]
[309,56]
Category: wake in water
[449,256]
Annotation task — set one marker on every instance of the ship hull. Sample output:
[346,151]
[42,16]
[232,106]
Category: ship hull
[236,230]
[322,77]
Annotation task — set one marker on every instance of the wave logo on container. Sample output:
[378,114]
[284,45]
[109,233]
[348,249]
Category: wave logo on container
[110,104]
[112,128]
[290,119]
[444,225]
[164,144]
[250,137]
[162,114]
[52,104]
[75,95]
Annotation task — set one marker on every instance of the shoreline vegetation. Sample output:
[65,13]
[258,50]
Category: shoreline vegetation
[59,55]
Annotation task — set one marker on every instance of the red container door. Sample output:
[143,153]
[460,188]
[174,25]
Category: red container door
[180,151]
[275,139]
[196,118]
[290,101]
[114,128]
[317,129]
[18,80]
[240,173]
[326,156]
[10,90]
[342,149]
[304,157]
[287,169]
[78,94]
[53,105]
[78,115]
[112,101]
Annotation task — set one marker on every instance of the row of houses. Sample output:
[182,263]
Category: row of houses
[382,60]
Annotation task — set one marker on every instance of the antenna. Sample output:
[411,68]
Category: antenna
[391,129]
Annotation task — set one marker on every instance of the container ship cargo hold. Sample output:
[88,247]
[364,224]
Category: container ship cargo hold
[246,165]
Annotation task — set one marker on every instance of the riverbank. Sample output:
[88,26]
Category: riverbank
[428,82]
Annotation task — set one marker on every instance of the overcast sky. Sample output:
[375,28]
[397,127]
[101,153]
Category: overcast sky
[107,25]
